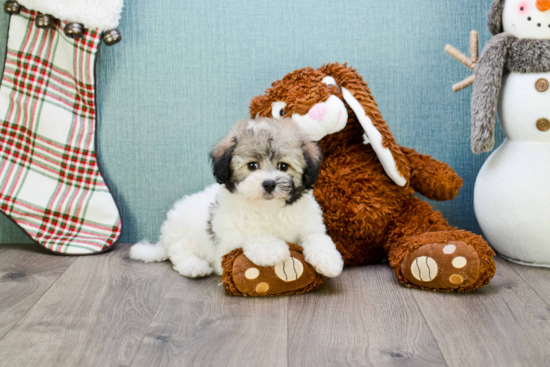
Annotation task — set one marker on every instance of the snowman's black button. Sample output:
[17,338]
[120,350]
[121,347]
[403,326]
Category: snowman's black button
[543,124]
[542,85]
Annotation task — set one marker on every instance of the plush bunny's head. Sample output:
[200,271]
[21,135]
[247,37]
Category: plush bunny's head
[334,100]
[521,18]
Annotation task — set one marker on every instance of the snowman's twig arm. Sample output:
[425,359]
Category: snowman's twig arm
[474,46]
[469,62]
[464,84]
[465,60]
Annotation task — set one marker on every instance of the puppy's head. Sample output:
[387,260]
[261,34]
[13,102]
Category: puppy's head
[266,159]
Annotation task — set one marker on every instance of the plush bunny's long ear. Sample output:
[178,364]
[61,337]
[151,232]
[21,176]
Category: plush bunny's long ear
[385,155]
[358,97]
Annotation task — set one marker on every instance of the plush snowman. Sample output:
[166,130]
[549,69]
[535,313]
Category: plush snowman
[512,80]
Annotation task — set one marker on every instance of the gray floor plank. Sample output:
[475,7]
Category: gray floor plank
[95,314]
[503,324]
[362,318]
[26,273]
[199,325]
[110,311]
[537,278]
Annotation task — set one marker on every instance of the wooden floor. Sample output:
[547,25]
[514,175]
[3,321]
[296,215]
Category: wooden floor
[108,310]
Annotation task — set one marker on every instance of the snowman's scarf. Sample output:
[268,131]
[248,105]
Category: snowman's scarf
[503,52]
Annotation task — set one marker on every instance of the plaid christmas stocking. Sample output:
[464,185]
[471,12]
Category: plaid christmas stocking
[50,180]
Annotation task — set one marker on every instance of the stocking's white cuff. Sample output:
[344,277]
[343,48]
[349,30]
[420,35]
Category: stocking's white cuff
[97,14]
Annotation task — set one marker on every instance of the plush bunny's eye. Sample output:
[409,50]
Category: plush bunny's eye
[278,109]
[329,81]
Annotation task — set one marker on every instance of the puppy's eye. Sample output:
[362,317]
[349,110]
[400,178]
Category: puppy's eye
[283,167]
[278,109]
[253,166]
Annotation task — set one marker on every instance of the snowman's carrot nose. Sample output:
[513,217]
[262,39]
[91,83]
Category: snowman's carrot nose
[543,5]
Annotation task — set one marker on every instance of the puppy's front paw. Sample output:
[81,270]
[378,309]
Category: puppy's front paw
[326,261]
[191,267]
[268,254]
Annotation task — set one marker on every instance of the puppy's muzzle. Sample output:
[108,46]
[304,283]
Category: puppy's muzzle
[269,186]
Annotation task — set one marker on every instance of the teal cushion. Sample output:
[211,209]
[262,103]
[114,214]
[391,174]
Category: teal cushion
[186,71]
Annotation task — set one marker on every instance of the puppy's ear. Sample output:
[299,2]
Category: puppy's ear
[313,158]
[221,157]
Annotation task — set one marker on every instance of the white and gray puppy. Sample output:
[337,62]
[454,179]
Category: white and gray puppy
[265,170]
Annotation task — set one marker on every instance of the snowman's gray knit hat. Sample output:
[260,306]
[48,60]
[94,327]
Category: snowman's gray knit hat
[495,17]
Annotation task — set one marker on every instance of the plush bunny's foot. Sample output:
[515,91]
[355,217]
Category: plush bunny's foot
[442,265]
[452,263]
[242,277]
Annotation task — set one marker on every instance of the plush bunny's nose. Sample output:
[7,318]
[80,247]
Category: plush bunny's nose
[318,111]
[543,5]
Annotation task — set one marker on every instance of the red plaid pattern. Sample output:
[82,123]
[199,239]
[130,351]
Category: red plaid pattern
[50,183]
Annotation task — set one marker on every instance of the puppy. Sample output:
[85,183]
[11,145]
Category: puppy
[263,200]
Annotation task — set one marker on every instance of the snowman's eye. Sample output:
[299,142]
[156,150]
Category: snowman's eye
[521,8]
[278,109]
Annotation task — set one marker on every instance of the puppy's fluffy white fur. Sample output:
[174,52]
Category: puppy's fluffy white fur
[203,227]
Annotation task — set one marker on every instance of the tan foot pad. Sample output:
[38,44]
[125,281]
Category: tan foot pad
[241,277]
[453,264]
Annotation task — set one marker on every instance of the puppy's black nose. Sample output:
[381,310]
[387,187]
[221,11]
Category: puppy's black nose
[269,186]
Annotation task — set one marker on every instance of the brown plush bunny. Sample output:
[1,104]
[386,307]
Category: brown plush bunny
[367,182]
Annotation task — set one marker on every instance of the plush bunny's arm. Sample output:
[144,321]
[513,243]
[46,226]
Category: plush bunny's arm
[432,178]
[102,15]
